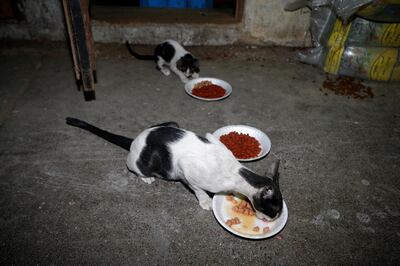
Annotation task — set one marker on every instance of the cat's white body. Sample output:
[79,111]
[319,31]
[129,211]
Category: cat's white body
[203,166]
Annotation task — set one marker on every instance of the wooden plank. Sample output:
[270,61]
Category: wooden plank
[239,10]
[89,36]
[71,40]
[77,16]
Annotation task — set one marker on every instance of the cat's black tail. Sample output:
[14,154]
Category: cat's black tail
[121,141]
[139,56]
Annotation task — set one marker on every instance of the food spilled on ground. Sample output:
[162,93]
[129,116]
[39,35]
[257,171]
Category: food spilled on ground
[243,207]
[243,146]
[348,86]
[206,89]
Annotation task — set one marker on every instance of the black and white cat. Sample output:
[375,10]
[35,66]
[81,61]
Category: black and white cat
[170,55]
[203,164]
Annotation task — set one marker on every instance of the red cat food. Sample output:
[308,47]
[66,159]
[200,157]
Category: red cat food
[206,89]
[243,146]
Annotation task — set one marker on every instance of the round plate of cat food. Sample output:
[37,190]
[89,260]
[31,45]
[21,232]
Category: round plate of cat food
[208,89]
[235,213]
[245,142]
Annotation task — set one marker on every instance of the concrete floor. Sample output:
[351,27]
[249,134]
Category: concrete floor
[66,196]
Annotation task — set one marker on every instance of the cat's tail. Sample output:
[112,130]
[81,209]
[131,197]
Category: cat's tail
[121,141]
[138,56]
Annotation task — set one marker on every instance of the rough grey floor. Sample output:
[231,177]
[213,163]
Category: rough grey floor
[66,196]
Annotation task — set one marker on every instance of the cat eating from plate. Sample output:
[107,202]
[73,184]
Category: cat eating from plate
[204,164]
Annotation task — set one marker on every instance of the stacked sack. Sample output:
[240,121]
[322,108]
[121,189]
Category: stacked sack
[354,38]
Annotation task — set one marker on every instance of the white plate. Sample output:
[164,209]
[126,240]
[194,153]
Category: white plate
[190,85]
[264,140]
[222,212]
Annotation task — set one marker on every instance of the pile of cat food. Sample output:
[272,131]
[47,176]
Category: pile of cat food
[243,146]
[348,86]
[206,89]
[243,207]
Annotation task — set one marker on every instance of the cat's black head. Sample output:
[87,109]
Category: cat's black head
[188,65]
[267,201]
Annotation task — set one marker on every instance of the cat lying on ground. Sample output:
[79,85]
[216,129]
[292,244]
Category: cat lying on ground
[170,55]
[203,164]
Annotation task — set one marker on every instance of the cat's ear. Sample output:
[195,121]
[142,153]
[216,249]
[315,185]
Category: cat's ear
[273,172]
[276,179]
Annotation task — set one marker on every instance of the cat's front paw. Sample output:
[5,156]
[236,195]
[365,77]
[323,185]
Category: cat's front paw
[185,80]
[195,75]
[206,204]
